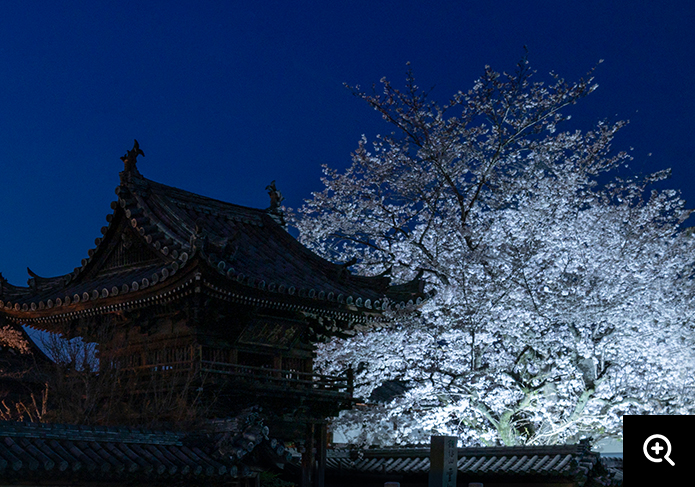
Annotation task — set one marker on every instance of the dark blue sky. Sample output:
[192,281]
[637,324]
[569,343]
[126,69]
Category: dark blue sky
[226,96]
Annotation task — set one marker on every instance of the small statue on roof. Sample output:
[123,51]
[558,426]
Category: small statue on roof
[275,197]
[199,238]
[130,158]
[275,210]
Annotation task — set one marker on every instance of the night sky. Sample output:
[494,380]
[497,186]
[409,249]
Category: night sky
[226,96]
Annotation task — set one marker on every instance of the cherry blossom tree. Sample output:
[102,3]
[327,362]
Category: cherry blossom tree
[563,292]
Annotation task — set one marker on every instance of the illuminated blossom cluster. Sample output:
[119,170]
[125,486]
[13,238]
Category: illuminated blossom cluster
[13,339]
[564,293]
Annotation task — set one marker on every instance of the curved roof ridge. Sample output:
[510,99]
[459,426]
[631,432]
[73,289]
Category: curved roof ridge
[194,197]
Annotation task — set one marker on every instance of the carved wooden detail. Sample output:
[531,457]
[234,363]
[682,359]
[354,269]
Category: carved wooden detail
[129,252]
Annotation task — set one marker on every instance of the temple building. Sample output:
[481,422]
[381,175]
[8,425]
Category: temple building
[215,302]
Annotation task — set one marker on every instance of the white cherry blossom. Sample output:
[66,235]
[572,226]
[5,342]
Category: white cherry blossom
[564,293]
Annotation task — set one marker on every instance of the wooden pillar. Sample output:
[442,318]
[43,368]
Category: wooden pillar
[277,365]
[308,457]
[322,447]
[350,382]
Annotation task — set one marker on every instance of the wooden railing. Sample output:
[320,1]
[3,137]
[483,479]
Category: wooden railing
[283,379]
[259,378]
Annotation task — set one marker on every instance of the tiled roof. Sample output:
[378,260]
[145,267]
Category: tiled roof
[247,253]
[575,462]
[35,451]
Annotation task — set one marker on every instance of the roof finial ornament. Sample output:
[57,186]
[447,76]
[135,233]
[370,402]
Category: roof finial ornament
[130,158]
[275,197]
[200,236]
[275,210]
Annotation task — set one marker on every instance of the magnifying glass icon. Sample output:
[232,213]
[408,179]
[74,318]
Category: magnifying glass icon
[657,448]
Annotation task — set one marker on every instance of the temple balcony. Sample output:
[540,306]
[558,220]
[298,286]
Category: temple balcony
[279,378]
